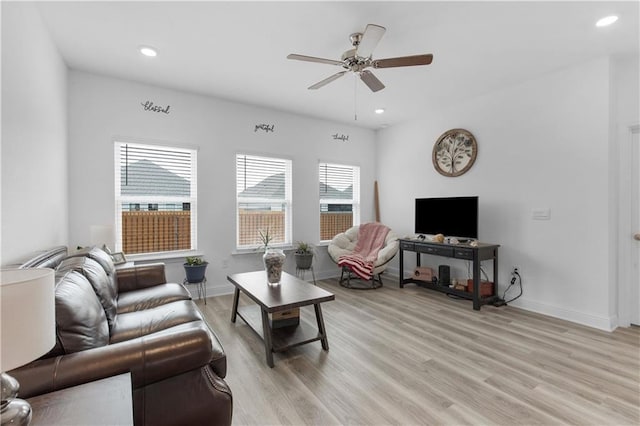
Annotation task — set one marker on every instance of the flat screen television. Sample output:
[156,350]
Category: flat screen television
[450,216]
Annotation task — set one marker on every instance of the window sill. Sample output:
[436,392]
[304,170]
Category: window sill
[256,251]
[166,256]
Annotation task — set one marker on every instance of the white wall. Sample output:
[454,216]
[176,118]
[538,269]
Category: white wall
[541,144]
[102,109]
[34,136]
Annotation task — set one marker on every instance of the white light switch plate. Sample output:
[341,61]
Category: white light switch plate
[541,214]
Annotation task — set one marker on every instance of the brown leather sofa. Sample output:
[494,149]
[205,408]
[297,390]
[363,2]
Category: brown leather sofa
[110,322]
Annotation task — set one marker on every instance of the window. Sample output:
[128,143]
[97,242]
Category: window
[155,198]
[263,194]
[339,199]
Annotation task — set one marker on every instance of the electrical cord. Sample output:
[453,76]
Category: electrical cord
[515,278]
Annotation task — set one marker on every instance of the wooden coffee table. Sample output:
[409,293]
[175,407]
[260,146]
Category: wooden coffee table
[289,294]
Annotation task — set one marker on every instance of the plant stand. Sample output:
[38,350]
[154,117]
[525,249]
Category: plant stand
[300,272]
[201,286]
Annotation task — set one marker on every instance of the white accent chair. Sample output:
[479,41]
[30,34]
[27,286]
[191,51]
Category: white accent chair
[345,242]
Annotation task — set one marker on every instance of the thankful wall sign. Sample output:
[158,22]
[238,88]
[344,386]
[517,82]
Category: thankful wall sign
[340,137]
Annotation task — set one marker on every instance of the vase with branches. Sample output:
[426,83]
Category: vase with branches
[273,258]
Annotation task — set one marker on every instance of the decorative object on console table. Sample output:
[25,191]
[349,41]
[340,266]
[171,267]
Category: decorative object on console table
[454,152]
[422,273]
[24,337]
[486,287]
[444,275]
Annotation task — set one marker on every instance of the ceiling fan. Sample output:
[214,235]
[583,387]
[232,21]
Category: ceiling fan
[359,58]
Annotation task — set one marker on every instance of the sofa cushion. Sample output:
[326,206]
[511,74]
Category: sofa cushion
[141,323]
[103,258]
[141,276]
[150,297]
[99,255]
[103,286]
[81,322]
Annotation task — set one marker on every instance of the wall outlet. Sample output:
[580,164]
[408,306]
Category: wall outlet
[225,263]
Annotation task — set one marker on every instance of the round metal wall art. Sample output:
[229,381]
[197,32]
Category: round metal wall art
[454,152]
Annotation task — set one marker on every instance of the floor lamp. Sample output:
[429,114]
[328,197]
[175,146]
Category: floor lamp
[27,331]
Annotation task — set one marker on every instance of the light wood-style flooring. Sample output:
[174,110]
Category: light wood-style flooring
[415,356]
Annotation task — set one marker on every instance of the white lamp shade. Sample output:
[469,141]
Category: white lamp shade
[27,315]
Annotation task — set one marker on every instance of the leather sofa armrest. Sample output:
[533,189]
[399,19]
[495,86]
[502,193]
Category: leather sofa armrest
[140,276]
[149,358]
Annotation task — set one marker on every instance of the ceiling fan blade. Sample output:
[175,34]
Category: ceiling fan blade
[313,59]
[403,61]
[370,38]
[327,80]
[371,81]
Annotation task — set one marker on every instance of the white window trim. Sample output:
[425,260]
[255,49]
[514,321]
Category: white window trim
[287,202]
[119,199]
[355,201]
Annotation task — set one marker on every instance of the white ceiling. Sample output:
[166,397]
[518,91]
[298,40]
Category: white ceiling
[237,50]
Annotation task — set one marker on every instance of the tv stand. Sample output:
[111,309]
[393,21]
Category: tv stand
[474,254]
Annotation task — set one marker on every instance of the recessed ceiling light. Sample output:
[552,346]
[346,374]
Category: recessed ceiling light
[148,51]
[607,20]
[380,111]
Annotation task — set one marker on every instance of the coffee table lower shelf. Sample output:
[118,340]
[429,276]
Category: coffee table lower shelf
[281,338]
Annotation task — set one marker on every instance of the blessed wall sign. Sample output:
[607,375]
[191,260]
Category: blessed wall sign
[149,106]
[342,137]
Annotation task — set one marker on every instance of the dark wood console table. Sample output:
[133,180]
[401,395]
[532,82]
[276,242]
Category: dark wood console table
[474,254]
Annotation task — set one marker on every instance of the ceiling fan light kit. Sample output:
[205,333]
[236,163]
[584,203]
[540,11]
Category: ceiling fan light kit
[359,58]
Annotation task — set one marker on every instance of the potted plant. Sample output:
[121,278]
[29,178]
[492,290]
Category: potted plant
[303,255]
[273,258]
[194,268]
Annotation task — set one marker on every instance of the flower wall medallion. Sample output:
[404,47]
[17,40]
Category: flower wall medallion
[454,152]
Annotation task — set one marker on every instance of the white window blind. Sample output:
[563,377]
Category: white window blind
[339,198]
[263,194]
[156,198]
